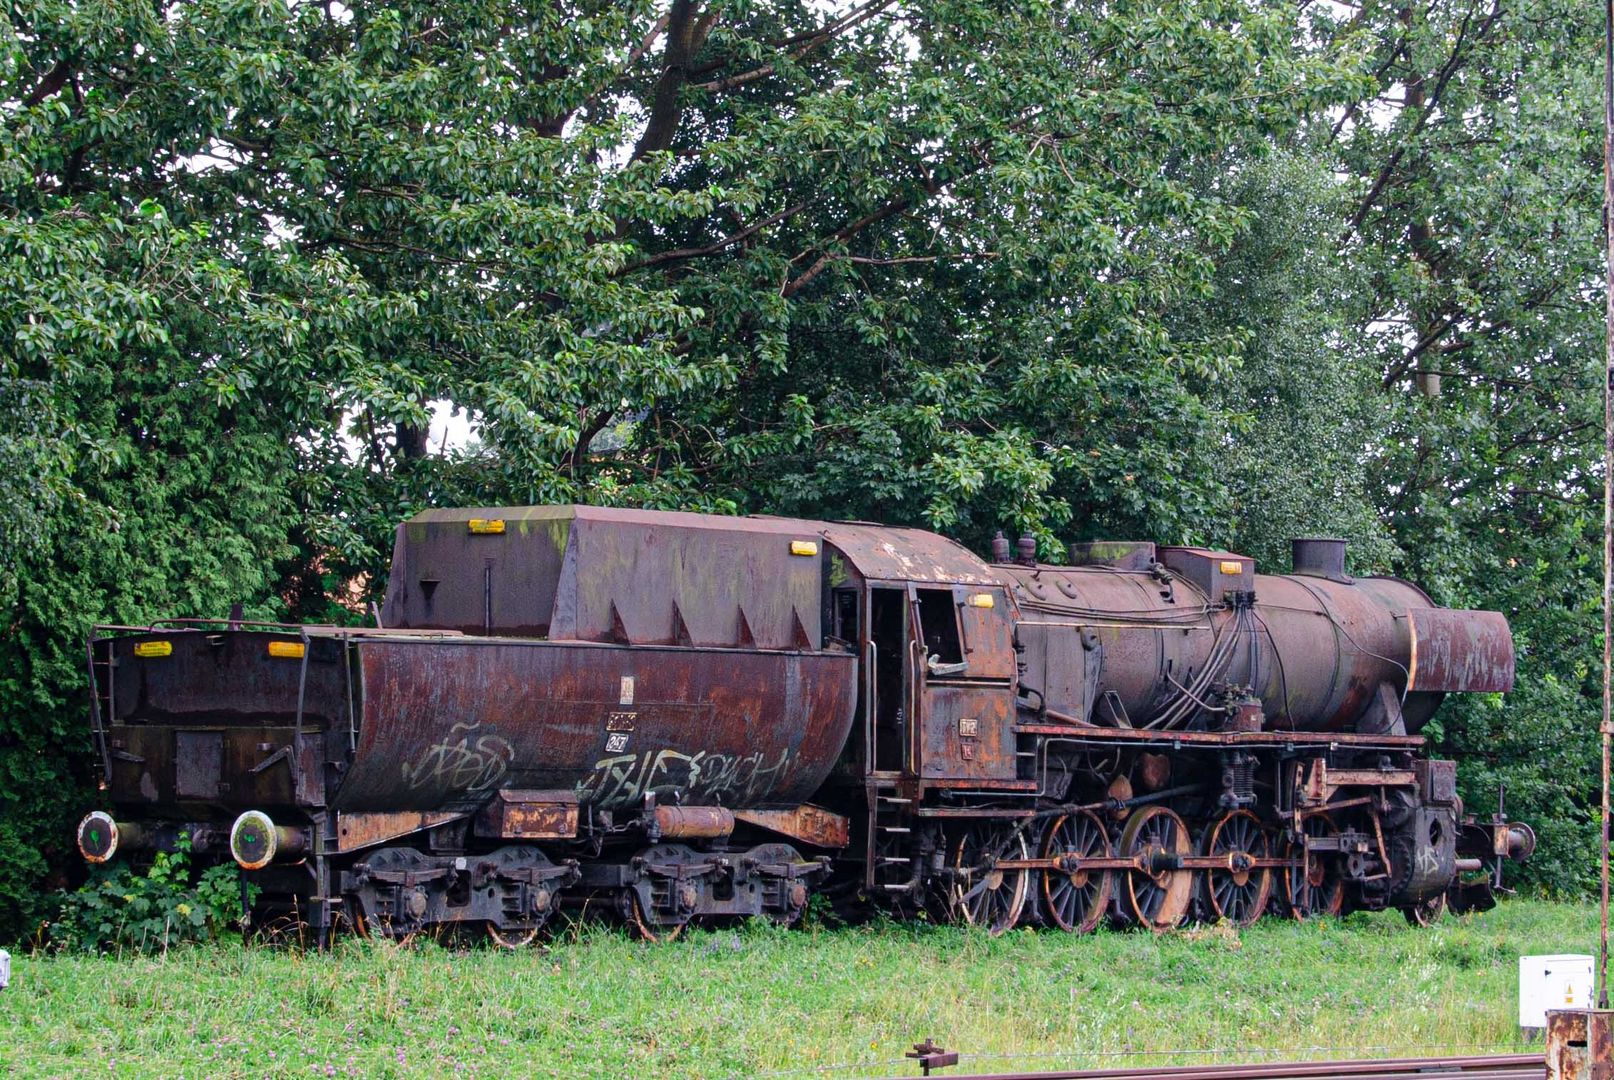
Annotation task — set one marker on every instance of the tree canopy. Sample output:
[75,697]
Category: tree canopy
[1186,270]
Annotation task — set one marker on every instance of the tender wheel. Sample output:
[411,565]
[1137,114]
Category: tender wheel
[1427,913]
[514,938]
[348,918]
[1078,900]
[1238,892]
[643,925]
[981,894]
[1315,887]
[1157,895]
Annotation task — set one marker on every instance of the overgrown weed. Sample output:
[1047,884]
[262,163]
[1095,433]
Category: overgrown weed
[754,998]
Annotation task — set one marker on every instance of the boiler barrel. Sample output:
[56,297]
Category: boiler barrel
[1122,646]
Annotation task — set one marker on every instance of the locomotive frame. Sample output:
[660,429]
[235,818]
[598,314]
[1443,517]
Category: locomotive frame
[686,718]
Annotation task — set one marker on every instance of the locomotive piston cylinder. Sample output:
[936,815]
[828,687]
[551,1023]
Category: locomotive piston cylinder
[256,841]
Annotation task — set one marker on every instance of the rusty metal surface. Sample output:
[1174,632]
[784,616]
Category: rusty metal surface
[1318,556]
[1321,654]
[693,822]
[1461,651]
[689,579]
[207,716]
[443,574]
[807,823]
[1580,1044]
[604,574]
[987,633]
[446,723]
[521,814]
[361,830]
[226,675]
[646,577]
[1100,735]
[880,553]
[246,766]
[1214,573]
[966,733]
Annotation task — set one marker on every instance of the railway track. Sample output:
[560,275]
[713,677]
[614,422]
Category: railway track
[1489,1067]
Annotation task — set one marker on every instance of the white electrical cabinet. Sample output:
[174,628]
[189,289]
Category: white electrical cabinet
[1559,981]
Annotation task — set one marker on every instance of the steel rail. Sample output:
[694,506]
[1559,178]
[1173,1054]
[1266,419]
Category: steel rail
[1485,1067]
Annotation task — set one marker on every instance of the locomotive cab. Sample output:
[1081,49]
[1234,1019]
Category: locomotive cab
[936,696]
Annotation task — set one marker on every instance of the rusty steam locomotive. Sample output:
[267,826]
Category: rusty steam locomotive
[680,717]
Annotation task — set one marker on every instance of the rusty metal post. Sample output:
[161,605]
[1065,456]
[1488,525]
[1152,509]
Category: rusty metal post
[1579,1042]
[932,1055]
[1608,472]
[1579,1045]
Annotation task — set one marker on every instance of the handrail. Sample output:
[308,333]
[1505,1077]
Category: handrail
[869,706]
[916,682]
[96,724]
[190,623]
[297,728]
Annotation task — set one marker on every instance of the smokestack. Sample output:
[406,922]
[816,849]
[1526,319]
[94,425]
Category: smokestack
[1318,556]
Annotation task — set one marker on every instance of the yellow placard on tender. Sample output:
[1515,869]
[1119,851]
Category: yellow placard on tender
[803,547]
[289,650]
[1232,566]
[981,599]
[486,526]
[154,648]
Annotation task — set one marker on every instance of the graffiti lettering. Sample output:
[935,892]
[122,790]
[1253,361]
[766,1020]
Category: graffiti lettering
[460,764]
[1428,862]
[734,779]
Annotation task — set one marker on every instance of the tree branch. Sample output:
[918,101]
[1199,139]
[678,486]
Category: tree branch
[1405,364]
[961,256]
[898,205]
[52,83]
[585,436]
[686,33]
[715,246]
[801,45]
[1447,70]
[638,53]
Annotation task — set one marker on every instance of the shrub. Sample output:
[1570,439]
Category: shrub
[123,908]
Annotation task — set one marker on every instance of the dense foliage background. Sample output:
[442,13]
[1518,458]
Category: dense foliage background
[1192,270]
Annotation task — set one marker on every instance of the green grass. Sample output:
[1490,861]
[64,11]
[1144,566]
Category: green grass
[761,1000]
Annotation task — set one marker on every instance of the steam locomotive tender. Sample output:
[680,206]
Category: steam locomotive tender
[681,717]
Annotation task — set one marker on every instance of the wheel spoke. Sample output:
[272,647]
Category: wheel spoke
[1237,833]
[974,899]
[1158,898]
[1076,902]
